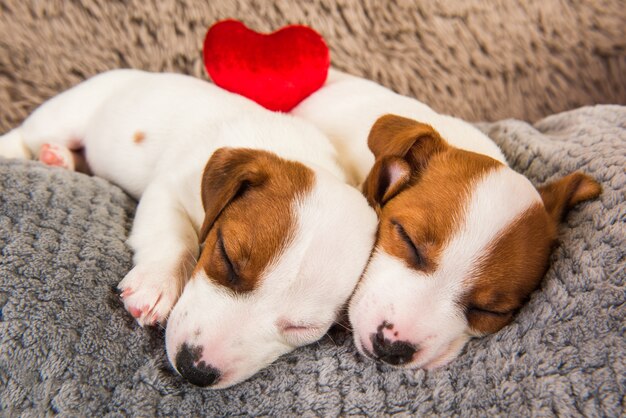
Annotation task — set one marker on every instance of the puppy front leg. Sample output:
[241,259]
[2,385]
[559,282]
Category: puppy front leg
[166,247]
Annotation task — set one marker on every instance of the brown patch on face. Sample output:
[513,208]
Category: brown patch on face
[248,196]
[510,271]
[138,137]
[430,208]
[518,259]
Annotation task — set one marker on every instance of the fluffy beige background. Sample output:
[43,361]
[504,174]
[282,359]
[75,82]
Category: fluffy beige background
[481,60]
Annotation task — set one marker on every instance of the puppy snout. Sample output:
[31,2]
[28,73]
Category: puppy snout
[195,371]
[391,352]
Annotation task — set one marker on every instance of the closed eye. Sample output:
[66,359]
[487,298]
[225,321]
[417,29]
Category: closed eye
[417,257]
[298,328]
[301,333]
[477,310]
[233,278]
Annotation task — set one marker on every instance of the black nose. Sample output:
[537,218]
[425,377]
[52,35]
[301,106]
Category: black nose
[396,353]
[197,373]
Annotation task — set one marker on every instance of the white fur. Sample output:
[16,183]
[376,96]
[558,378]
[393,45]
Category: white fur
[183,121]
[346,107]
[422,307]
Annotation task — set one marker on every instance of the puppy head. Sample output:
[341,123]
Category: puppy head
[283,249]
[462,242]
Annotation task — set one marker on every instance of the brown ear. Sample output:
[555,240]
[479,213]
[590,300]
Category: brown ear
[226,175]
[402,148]
[561,195]
[416,142]
[387,177]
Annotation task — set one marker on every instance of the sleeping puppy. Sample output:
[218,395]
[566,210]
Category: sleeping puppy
[462,240]
[254,252]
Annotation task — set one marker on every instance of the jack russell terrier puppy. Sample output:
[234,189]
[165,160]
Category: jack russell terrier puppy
[462,240]
[254,252]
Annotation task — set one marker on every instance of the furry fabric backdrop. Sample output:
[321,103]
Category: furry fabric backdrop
[480,60]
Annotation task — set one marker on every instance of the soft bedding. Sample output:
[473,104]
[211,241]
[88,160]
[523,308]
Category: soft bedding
[67,345]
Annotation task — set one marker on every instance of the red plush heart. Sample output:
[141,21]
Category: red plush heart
[277,70]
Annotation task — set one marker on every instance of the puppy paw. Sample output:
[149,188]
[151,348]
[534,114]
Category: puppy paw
[149,295]
[57,156]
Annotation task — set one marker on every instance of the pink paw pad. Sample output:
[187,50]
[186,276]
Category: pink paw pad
[148,297]
[56,156]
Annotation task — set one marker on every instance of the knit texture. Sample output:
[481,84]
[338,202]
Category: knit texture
[68,346]
[479,60]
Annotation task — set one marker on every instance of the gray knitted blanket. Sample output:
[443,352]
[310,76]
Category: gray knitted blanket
[67,346]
